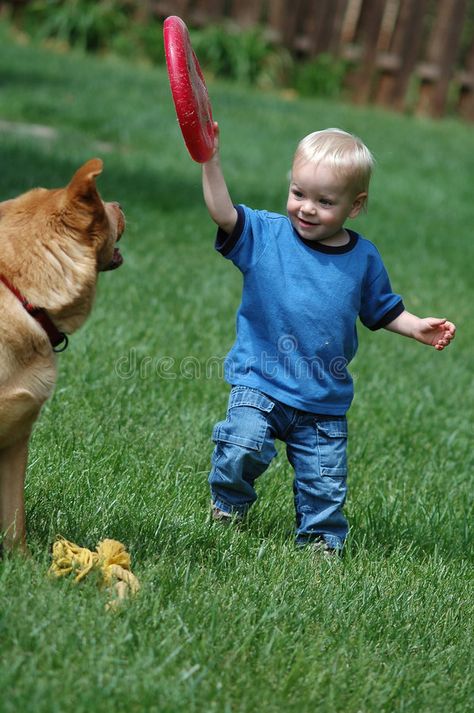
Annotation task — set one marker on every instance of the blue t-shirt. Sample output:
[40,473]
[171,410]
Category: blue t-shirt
[296,325]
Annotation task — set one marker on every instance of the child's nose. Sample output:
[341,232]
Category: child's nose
[309,207]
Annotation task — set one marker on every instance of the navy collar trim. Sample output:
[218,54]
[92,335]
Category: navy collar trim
[331,249]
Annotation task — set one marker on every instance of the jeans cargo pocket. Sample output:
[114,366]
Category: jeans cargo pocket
[332,447]
[246,423]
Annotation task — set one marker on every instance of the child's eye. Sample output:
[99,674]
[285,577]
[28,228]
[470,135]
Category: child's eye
[326,203]
[296,193]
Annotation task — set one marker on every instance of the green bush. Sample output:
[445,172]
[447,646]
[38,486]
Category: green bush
[246,56]
[323,76]
[87,24]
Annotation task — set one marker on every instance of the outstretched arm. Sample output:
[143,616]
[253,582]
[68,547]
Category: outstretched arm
[435,332]
[216,194]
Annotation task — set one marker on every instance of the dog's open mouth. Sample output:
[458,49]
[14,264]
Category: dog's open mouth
[117,258]
[116,261]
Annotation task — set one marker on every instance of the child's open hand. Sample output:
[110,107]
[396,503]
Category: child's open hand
[435,332]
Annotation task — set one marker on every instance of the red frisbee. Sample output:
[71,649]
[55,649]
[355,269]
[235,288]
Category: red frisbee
[189,91]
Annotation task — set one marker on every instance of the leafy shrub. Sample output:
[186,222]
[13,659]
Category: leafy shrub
[87,24]
[148,41]
[322,76]
[246,56]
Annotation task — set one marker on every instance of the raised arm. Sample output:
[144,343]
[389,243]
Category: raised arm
[435,332]
[216,194]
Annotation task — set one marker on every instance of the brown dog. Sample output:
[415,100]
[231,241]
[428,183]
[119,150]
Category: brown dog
[53,243]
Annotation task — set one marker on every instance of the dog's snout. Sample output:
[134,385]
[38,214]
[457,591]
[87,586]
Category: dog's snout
[121,223]
[119,217]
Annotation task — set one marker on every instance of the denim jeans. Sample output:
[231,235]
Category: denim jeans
[316,449]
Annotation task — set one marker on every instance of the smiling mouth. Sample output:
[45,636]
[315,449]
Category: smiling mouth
[306,223]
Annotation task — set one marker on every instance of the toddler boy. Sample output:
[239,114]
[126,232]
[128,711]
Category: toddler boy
[306,280]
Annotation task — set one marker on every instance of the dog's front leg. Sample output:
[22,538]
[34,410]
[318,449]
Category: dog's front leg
[13,460]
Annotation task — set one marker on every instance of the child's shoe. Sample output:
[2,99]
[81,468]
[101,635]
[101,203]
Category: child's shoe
[321,548]
[221,516]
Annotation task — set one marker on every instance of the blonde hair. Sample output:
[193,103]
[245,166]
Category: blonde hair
[343,152]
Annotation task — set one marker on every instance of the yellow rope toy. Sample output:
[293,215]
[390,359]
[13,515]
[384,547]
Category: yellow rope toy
[110,558]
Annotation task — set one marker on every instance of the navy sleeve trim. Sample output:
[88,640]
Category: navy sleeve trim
[225,242]
[389,316]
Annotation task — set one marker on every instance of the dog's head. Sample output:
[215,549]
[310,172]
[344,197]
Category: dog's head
[86,212]
[53,243]
[55,217]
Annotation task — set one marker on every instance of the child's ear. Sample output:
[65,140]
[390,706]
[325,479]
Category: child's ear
[358,204]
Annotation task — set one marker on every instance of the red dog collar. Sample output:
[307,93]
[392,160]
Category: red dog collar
[55,336]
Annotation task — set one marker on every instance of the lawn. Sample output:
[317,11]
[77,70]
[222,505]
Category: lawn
[228,620]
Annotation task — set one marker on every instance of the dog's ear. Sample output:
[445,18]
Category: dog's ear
[82,186]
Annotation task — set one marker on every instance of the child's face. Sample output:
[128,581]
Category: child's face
[320,201]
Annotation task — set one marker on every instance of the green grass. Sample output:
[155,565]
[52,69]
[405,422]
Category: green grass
[237,620]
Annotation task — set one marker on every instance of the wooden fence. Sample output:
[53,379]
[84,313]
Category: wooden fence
[415,55]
